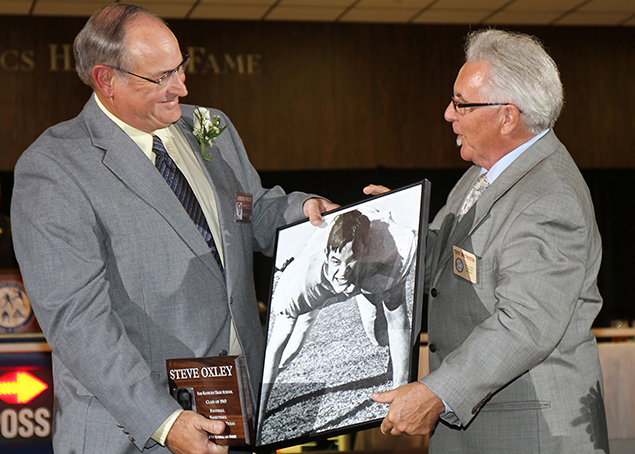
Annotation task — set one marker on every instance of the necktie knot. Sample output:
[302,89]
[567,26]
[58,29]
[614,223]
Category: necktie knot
[163,159]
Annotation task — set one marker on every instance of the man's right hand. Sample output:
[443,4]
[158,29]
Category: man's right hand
[190,435]
[414,409]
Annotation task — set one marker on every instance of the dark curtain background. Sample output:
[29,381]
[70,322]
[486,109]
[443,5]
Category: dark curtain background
[612,192]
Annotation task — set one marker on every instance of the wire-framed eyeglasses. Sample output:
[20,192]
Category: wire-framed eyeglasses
[166,75]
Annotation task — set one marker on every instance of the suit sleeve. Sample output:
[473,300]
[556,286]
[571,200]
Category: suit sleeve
[62,250]
[272,207]
[531,294]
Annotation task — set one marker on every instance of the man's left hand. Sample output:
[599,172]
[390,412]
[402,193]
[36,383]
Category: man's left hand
[414,409]
[314,207]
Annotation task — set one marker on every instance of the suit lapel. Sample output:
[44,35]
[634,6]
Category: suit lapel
[505,181]
[512,175]
[223,180]
[127,161]
[210,168]
[450,230]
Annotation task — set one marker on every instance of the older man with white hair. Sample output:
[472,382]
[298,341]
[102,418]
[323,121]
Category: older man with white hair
[511,270]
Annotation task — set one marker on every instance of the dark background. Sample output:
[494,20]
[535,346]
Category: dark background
[334,106]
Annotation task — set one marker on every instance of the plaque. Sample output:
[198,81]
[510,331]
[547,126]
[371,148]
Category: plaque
[216,388]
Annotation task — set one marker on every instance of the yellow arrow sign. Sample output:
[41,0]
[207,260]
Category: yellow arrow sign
[20,387]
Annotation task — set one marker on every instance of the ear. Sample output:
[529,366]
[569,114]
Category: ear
[510,120]
[104,78]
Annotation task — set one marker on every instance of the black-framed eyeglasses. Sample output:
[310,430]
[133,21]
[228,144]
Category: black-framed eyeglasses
[459,107]
[166,75]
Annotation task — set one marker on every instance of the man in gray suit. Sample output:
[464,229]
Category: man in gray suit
[512,277]
[120,276]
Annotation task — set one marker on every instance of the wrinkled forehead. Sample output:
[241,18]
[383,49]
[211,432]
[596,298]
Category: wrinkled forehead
[150,40]
[472,78]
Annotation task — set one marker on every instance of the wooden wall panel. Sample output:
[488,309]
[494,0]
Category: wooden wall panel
[34,94]
[321,96]
[332,96]
[597,67]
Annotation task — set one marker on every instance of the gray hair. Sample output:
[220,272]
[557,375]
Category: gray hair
[102,40]
[521,73]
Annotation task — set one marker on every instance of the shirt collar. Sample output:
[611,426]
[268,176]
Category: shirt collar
[510,157]
[141,138]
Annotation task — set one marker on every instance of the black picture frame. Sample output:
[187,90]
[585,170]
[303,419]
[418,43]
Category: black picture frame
[336,330]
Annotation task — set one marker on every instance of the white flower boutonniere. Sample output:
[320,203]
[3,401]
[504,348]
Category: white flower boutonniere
[206,129]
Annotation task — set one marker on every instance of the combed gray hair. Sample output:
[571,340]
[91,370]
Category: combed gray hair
[102,40]
[521,73]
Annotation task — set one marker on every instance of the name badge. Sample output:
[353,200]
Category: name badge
[244,204]
[464,264]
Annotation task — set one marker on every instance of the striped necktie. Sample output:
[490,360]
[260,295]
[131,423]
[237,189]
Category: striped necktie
[177,182]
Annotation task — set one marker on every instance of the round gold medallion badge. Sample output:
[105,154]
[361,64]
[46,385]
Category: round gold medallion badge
[15,308]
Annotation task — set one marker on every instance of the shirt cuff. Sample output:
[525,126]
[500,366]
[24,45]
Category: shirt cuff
[162,432]
[447,409]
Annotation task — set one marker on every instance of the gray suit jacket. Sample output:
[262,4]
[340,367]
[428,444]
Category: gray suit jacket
[120,278]
[513,355]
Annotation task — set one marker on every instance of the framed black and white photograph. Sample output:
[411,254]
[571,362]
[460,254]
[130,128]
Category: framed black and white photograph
[344,317]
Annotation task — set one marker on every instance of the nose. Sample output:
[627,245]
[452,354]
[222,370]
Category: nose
[176,84]
[450,114]
[342,271]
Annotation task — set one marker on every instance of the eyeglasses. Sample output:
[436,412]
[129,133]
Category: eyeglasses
[166,75]
[459,107]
